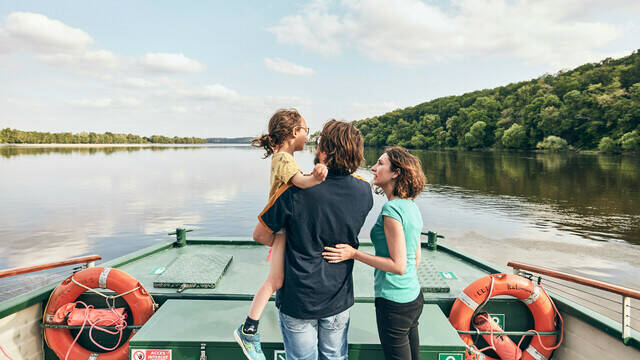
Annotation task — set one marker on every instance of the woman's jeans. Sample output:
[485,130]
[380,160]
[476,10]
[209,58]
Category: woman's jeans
[398,328]
[311,339]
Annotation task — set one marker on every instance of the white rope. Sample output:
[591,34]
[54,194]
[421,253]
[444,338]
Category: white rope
[108,297]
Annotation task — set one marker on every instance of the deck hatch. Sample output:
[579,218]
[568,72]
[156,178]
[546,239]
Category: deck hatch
[191,271]
[430,279]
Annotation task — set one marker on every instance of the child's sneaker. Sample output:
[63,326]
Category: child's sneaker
[250,344]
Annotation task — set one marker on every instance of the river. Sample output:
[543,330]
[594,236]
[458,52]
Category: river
[578,213]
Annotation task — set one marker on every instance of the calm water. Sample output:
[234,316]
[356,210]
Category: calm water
[578,213]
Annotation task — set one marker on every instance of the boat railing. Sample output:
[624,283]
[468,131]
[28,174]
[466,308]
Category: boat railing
[619,295]
[19,284]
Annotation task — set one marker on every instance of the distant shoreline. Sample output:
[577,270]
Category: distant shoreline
[112,145]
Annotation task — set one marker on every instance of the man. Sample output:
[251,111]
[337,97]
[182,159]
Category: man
[315,298]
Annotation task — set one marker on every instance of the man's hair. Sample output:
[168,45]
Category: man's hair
[281,125]
[342,143]
[411,180]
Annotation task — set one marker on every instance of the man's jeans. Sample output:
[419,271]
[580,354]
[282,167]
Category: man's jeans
[311,339]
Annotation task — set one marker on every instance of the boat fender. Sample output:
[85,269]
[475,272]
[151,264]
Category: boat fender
[502,344]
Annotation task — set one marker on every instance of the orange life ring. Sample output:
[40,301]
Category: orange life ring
[506,284]
[139,301]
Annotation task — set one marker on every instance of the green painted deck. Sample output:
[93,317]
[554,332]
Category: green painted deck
[248,269]
[184,325]
[209,313]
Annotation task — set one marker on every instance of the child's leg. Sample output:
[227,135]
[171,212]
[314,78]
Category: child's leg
[274,279]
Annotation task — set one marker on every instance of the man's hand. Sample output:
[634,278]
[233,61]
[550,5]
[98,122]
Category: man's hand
[320,172]
[339,253]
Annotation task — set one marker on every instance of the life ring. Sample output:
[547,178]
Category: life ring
[139,301]
[536,300]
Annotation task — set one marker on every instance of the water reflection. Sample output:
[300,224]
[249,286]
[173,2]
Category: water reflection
[58,203]
[594,196]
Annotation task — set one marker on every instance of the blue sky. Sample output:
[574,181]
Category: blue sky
[218,68]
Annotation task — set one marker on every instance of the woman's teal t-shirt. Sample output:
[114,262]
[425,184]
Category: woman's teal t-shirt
[399,288]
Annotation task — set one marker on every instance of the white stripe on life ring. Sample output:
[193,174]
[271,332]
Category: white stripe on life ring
[102,280]
[93,356]
[467,300]
[535,294]
[535,353]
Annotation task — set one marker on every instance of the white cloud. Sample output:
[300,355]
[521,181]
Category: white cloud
[358,110]
[129,101]
[99,59]
[138,83]
[208,92]
[411,32]
[178,109]
[286,67]
[171,63]
[93,103]
[123,101]
[39,33]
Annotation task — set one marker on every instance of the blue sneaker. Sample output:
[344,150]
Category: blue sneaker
[250,344]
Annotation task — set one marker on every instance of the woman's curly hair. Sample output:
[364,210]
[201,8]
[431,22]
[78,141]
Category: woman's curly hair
[281,125]
[411,180]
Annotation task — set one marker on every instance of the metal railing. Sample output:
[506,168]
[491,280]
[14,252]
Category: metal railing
[89,261]
[626,293]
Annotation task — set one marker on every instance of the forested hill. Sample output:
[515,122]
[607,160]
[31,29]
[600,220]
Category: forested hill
[590,107]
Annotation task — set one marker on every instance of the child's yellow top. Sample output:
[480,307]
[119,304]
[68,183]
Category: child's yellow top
[283,168]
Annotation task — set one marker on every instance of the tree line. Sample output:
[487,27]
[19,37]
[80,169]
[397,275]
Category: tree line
[13,136]
[594,106]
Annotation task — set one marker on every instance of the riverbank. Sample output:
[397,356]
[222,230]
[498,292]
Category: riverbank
[102,145]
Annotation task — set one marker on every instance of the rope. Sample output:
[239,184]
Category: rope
[492,344]
[561,327]
[108,297]
[113,297]
[120,325]
[5,353]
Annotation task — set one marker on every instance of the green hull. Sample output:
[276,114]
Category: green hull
[195,319]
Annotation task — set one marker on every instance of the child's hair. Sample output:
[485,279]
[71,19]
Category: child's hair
[281,125]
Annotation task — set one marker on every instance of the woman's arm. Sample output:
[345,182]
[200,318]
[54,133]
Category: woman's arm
[305,181]
[396,262]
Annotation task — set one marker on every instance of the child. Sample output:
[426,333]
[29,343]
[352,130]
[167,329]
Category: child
[288,132]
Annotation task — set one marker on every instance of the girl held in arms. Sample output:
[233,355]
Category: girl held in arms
[288,133]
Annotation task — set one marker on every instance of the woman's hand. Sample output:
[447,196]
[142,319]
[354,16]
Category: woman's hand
[339,253]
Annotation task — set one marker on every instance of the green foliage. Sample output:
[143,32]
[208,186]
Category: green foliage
[476,135]
[515,137]
[553,144]
[12,136]
[582,106]
[608,146]
[631,141]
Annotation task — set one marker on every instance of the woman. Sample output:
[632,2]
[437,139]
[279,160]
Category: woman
[396,238]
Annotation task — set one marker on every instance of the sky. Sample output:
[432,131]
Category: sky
[222,68]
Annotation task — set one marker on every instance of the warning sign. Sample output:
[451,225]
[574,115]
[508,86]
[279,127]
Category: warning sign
[150,354]
[451,356]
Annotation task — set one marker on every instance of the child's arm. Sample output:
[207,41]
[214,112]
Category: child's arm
[304,182]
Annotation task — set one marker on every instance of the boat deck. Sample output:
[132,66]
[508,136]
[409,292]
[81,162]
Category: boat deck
[248,268]
[228,272]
